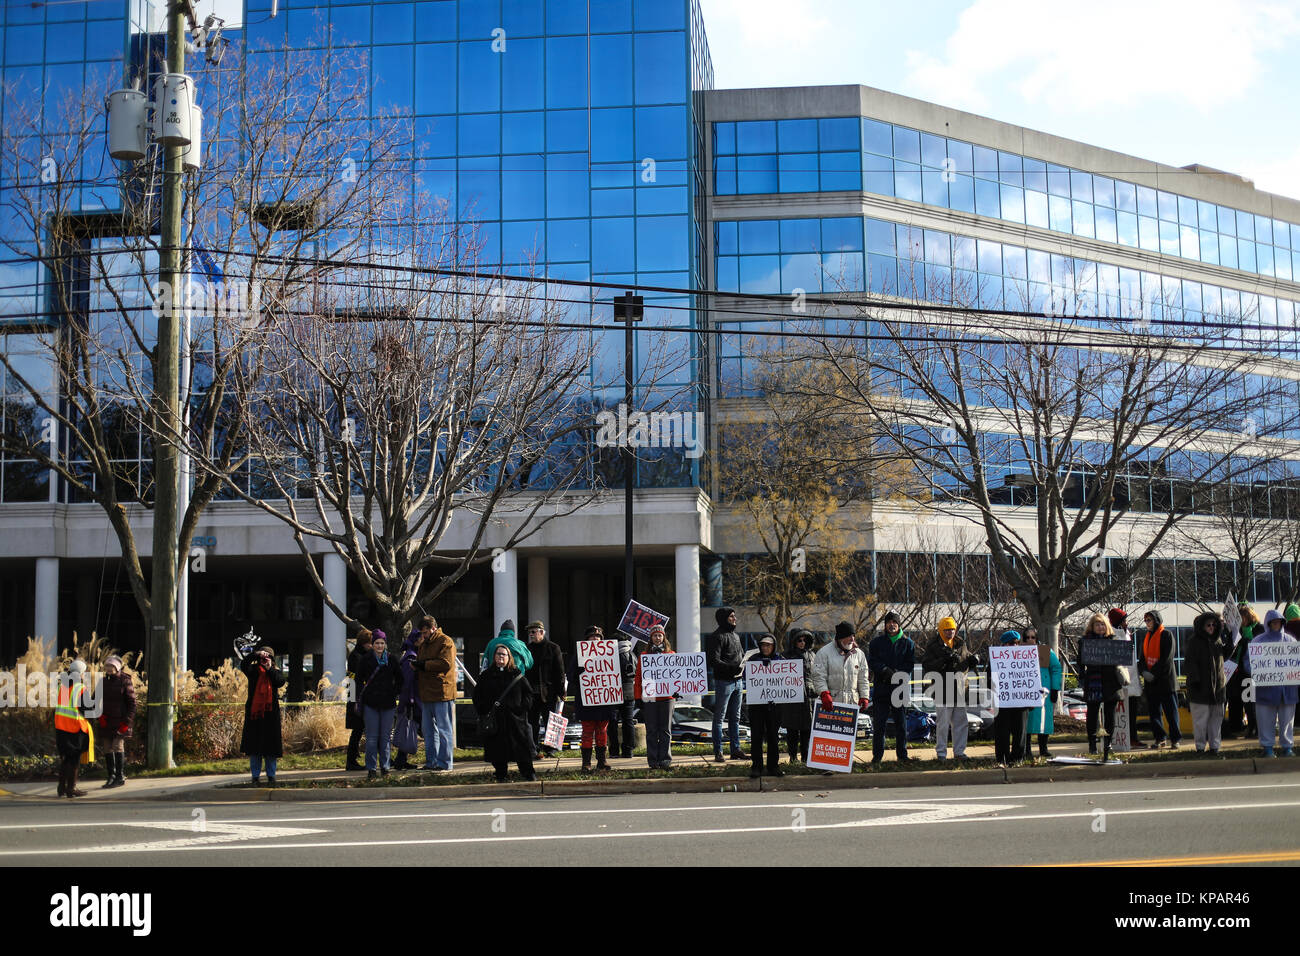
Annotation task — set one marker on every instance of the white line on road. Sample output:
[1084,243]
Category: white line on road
[928,817]
[720,808]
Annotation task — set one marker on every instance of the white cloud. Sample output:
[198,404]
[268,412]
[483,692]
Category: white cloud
[1281,175]
[778,33]
[1106,53]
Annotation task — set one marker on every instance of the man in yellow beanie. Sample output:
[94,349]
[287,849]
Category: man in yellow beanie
[946,663]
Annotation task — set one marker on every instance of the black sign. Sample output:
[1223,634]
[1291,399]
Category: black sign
[1104,652]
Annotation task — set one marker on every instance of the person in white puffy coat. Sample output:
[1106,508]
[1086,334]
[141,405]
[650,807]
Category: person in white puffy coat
[839,671]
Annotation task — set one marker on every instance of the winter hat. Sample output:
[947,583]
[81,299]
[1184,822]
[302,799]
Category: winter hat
[657,629]
[1118,617]
[114,660]
[767,639]
[1272,616]
[947,624]
[892,616]
[595,630]
[1009,637]
[270,650]
[378,635]
[721,615]
[1156,614]
[76,667]
[508,626]
[1292,612]
[842,630]
[535,626]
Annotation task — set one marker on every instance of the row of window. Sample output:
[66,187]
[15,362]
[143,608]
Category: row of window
[895,577]
[70,42]
[471,19]
[774,156]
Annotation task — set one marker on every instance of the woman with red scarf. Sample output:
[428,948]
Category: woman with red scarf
[261,740]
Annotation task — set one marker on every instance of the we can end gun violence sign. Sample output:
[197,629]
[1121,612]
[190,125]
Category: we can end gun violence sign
[834,735]
[601,680]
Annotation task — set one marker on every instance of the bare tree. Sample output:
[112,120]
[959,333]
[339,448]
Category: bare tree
[1032,428]
[278,180]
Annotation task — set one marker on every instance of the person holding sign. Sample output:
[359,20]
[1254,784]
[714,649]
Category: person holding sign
[1274,704]
[594,717]
[1206,687]
[1103,686]
[764,721]
[1008,722]
[891,656]
[656,711]
[946,663]
[502,698]
[1156,657]
[1237,705]
[797,717]
[546,677]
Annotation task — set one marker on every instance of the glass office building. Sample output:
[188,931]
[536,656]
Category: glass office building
[585,137]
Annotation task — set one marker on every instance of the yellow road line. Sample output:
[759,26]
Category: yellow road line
[1266,856]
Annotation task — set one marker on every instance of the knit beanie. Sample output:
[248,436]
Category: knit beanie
[1118,617]
[507,628]
[1009,637]
[1292,612]
[842,630]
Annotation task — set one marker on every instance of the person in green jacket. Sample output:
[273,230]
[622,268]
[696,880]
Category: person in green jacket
[1040,720]
[519,652]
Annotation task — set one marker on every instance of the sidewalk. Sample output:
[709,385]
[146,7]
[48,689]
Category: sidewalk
[224,787]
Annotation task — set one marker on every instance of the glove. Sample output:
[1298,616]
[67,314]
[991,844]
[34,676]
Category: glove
[103,721]
[862,704]
[826,699]
[1147,675]
[123,729]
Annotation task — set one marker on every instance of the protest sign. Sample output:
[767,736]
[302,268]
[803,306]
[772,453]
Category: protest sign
[773,682]
[638,619]
[834,733]
[1017,681]
[1275,663]
[601,683]
[556,725]
[1104,652]
[663,675]
[1122,742]
[1232,618]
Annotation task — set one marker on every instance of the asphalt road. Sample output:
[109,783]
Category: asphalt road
[1208,820]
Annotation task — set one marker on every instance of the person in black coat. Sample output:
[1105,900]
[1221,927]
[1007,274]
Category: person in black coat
[380,677]
[798,717]
[261,739]
[546,677]
[624,712]
[503,690]
[764,719]
[891,656]
[353,719]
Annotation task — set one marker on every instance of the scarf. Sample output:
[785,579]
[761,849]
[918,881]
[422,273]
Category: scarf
[893,638]
[948,641]
[262,694]
[1151,646]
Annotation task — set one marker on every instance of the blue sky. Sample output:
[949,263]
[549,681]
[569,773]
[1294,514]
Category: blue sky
[1215,82]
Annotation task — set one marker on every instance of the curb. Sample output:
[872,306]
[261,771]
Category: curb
[856,781]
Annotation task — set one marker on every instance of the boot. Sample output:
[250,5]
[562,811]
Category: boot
[63,779]
[354,752]
[72,782]
[110,770]
[600,759]
[586,759]
[121,769]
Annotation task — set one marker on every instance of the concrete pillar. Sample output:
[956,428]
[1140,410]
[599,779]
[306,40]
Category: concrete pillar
[688,598]
[334,632]
[87,601]
[505,590]
[46,618]
[539,592]
[579,603]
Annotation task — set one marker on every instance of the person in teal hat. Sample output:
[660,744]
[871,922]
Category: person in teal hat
[1008,722]
[519,652]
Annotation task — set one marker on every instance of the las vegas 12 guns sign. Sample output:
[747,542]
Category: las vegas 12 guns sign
[1017,680]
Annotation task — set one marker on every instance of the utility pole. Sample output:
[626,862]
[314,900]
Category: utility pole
[166,400]
[628,308]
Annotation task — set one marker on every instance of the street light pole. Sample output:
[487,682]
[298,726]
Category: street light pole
[628,308]
[166,410]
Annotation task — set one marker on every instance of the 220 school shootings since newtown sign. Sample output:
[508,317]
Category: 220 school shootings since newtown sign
[1016,678]
[1274,663]
[601,681]
[775,682]
[663,675]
